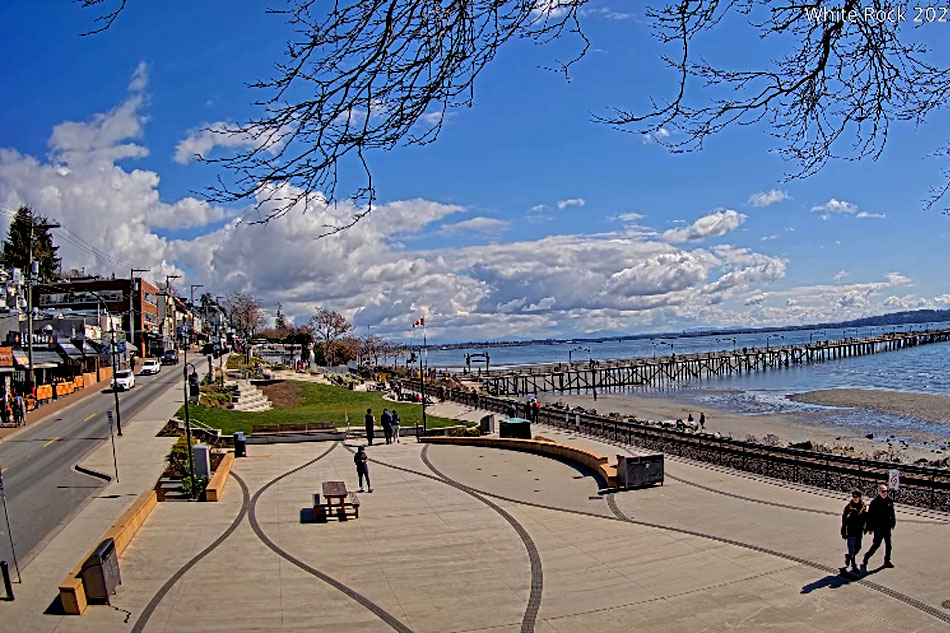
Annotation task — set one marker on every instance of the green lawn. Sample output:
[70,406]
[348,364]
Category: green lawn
[320,403]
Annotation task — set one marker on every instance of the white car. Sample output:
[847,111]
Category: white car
[151,366]
[124,380]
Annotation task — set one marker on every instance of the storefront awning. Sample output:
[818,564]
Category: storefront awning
[88,349]
[42,359]
[71,351]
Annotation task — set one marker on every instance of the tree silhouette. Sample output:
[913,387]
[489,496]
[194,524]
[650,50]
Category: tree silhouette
[16,248]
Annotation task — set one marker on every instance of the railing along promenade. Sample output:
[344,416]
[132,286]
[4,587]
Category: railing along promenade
[599,375]
[920,486]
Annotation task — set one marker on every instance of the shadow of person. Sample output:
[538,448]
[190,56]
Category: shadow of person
[831,581]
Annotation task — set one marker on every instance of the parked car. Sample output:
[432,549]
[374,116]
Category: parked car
[150,366]
[170,357]
[124,380]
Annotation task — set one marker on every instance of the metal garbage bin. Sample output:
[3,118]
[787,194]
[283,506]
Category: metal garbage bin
[100,572]
[515,427]
[240,444]
[636,472]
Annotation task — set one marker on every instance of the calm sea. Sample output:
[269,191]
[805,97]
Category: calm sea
[919,369]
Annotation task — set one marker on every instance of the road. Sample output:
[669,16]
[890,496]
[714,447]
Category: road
[42,488]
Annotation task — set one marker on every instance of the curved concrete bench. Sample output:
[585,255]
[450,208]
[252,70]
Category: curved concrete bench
[594,461]
[215,487]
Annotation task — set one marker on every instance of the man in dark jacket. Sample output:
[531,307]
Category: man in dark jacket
[370,423]
[881,521]
[853,520]
[386,419]
[362,468]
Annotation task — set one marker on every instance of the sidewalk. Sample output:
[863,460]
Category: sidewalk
[55,406]
[141,457]
[460,538]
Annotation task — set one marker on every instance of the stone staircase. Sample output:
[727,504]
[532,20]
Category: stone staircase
[248,397]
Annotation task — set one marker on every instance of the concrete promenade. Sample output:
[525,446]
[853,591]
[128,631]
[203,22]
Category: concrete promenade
[460,538]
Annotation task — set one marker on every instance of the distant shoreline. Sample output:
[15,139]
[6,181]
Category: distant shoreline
[930,408]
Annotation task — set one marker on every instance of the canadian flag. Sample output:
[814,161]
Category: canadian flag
[421,322]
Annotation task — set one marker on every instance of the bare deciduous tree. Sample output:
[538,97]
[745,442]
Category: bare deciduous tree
[329,326]
[364,75]
[244,311]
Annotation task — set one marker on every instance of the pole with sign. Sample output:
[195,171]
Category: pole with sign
[115,463]
[894,479]
[6,515]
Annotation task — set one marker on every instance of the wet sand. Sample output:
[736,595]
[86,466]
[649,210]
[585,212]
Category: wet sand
[909,405]
[786,427]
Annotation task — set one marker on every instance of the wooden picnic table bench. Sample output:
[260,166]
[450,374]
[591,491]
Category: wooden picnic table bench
[345,501]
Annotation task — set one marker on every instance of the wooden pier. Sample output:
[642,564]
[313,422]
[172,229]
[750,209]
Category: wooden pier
[600,376]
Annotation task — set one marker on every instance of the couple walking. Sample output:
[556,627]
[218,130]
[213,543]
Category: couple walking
[390,422]
[859,518]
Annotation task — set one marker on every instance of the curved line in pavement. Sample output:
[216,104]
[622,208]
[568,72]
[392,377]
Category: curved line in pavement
[537,575]
[160,594]
[618,515]
[381,613]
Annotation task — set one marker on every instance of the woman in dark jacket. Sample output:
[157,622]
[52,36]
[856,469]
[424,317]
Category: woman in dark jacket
[853,520]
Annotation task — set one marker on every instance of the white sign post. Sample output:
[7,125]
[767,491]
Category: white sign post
[894,479]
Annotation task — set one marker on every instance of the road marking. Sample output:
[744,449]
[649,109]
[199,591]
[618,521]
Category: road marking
[89,417]
[51,441]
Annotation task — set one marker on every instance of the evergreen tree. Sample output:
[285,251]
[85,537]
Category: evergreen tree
[16,248]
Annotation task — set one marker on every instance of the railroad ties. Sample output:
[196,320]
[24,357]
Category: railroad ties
[601,376]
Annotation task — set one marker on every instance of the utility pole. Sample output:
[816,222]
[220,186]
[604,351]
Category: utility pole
[132,272]
[191,327]
[168,295]
[29,298]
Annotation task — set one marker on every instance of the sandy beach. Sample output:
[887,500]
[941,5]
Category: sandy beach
[908,405]
[787,427]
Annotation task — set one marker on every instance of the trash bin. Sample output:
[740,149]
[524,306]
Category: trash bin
[636,472]
[100,572]
[515,427]
[240,444]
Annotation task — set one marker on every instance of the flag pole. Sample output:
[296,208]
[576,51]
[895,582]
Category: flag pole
[422,374]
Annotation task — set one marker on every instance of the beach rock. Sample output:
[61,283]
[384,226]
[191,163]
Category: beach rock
[807,445]
[870,436]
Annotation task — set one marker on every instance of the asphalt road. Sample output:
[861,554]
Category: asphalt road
[43,490]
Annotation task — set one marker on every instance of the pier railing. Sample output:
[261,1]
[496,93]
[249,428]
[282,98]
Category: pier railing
[601,376]
[920,486]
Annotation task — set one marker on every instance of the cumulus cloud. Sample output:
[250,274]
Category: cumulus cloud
[843,207]
[841,275]
[766,198]
[712,225]
[864,215]
[897,279]
[570,202]
[199,142]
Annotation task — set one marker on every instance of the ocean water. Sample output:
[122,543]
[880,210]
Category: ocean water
[920,369]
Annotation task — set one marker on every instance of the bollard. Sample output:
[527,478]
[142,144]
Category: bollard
[7,585]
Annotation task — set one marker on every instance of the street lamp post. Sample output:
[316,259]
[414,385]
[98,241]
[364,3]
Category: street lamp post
[115,391]
[168,295]
[655,343]
[726,338]
[576,349]
[191,459]
[811,334]
[771,336]
[132,272]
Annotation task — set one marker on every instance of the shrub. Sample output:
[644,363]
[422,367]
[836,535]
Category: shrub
[178,456]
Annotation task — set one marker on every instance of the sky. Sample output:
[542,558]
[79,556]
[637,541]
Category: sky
[525,219]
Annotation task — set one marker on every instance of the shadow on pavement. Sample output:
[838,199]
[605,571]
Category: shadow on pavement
[840,579]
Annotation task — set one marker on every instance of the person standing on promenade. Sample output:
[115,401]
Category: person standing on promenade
[881,521]
[386,419]
[853,520]
[370,423]
[362,468]
[511,410]
[396,426]
[475,399]
[702,421]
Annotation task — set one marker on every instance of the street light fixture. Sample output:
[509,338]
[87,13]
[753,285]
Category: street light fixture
[191,459]
[655,343]
[576,349]
[726,338]
[811,334]
[771,336]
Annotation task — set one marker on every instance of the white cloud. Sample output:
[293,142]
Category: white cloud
[630,218]
[897,279]
[475,225]
[841,275]
[712,225]
[538,208]
[767,238]
[200,142]
[766,198]
[842,207]
[864,215]
[570,202]
[608,14]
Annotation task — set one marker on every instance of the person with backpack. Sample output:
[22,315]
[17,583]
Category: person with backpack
[853,520]
[881,521]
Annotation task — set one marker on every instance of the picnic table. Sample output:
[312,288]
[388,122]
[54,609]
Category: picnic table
[335,491]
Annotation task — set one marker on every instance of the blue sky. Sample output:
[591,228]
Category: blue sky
[524,219]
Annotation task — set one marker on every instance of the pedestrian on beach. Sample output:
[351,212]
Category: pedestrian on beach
[881,521]
[370,423]
[362,468]
[853,519]
[396,422]
[702,421]
[386,419]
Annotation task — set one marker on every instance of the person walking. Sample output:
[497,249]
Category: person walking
[396,426]
[361,459]
[702,421]
[386,419]
[370,423]
[17,410]
[853,519]
[881,521]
